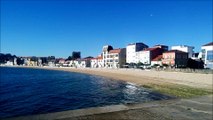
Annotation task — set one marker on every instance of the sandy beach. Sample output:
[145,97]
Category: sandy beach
[143,77]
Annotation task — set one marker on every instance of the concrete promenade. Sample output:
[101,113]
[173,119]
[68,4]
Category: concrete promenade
[199,108]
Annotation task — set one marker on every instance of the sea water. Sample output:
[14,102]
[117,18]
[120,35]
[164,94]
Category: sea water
[27,91]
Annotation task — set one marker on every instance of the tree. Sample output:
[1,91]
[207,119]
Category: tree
[51,59]
[34,58]
[20,61]
[69,58]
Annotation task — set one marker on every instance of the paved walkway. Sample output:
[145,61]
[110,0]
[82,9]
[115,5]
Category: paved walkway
[199,108]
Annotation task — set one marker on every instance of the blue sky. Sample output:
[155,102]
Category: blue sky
[58,27]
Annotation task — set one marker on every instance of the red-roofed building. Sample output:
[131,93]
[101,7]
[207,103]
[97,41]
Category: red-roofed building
[175,58]
[157,60]
[113,58]
[61,61]
[147,55]
[184,48]
[115,51]
[97,62]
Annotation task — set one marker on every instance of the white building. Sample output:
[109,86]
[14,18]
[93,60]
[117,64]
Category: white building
[9,63]
[184,48]
[105,52]
[40,62]
[131,50]
[207,55]
[51,64]
[15,61]
[80,63]
[113,58]
[97,62]
[143,57]
[147,55]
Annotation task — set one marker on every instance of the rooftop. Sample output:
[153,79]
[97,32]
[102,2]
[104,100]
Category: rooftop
[136,43]
[209,44]
[115,50]
[161,45]
[98,57]
[182,46]
[176,51]
[150,49]
[157,58]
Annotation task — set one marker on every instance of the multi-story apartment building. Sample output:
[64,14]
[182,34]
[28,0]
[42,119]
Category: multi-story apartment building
[97,62]
[147,55]
[164,47]
[131,50]
[113,58]
[157,60]
[105,52]
[81,63]
[175,58]
[184,48]
[207,55]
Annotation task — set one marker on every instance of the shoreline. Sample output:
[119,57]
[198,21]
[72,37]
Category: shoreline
[142,77]
[176,84]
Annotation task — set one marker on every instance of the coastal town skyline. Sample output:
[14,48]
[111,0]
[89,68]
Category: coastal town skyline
[45,28]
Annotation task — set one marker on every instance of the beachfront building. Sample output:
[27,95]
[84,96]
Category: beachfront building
[143,57]
[87,61]
[113,58]
[61,61]
[207,55]
[147,55]
[131,51]
[164,47]
[40,62]
[30,61]
[105,53]
[97,62]
[15,61]
[175,58]
[116,58]
[80,63]
[9,63]
[184,48]
[157,60]
[51,64]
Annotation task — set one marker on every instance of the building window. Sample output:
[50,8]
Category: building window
[210,55]
[203,53]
